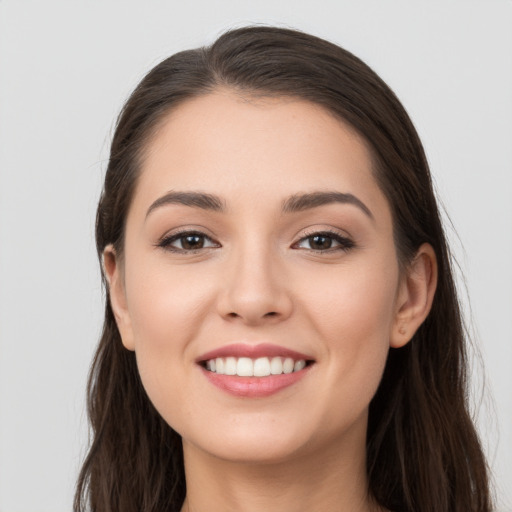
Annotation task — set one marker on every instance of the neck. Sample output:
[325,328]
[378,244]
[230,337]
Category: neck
[332,480]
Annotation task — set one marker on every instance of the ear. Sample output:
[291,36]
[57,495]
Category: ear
[415,296]
[116,289]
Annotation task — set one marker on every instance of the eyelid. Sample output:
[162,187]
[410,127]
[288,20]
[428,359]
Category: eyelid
[344,241]
[166,240]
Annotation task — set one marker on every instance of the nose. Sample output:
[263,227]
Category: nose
[255,291]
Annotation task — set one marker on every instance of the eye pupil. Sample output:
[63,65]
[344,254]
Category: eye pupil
[320,242]
[192,242]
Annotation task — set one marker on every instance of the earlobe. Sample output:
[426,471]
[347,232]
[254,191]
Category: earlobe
[117,295]
[415,296]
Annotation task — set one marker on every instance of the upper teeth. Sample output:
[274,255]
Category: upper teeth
[261,367]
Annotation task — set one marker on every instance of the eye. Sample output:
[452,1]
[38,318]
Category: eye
[325,241]
[187,241]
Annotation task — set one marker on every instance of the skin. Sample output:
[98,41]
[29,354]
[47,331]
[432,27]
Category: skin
[260,279]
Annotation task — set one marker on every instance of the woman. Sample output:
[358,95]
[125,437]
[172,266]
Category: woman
[282,330]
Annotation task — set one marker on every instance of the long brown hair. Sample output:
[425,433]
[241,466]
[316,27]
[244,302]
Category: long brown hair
[423,454]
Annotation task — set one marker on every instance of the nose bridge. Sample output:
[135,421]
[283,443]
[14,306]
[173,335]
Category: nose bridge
[255,289]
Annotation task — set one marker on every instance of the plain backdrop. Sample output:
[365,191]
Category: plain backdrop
[65,69]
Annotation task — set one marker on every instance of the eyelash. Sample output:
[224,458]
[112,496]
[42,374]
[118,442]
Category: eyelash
[166,241]
[345,244]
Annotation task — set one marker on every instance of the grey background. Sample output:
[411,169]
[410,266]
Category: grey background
[65,69]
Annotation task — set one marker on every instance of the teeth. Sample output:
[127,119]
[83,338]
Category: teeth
[276,366]
[299,365]
[261,367]
[288,365]
[245,367]
[230,366]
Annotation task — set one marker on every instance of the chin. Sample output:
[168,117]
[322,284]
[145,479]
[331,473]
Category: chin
[262,439]
[252,448]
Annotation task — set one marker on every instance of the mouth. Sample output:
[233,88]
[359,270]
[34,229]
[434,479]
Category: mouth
[259,367]
[254,370]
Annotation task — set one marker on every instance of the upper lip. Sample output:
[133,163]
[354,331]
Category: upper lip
[253,351]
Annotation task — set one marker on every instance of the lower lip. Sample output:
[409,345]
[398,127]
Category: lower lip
[254,387]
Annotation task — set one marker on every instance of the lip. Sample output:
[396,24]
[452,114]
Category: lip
[253,351]
[253,387]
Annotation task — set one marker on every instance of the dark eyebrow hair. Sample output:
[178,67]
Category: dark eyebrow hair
[301,202]
[295,203]
[194,199]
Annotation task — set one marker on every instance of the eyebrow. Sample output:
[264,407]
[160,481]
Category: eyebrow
[295,203]
[301,202]
[193,199]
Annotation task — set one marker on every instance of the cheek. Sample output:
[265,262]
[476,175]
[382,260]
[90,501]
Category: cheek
[352,310]
[353,302]
[165,304]
[167,310]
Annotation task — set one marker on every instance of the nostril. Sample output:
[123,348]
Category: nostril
[270,314]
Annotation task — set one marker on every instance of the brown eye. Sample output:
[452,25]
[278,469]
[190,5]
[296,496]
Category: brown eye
[323,242]
[320,242]
[187,242]
[190,242]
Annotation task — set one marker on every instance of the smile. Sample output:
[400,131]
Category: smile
[260,367]
[253,371]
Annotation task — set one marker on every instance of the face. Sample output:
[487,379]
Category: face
[258,242]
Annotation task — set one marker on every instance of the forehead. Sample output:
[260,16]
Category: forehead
[255,149]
